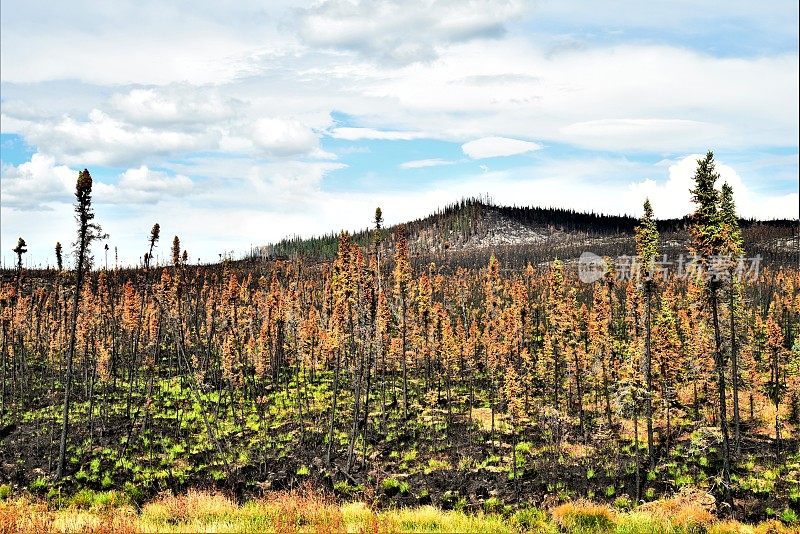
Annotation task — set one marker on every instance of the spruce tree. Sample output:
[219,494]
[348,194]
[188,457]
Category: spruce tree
[733,246]
[647,249]
[707,244]
[87,232]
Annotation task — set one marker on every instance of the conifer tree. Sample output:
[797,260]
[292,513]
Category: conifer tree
[176,251]
[87,232]
[19,250]
[775,386]
[708,243]
[647,249]
[666,354]
[733,247]
[402,278]
[59,260]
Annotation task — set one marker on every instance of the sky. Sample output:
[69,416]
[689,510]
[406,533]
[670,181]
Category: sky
[235,124]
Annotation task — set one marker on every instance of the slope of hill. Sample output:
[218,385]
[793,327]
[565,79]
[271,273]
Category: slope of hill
[473,228]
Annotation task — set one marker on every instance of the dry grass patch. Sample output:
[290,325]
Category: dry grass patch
[689,509]
[584,516]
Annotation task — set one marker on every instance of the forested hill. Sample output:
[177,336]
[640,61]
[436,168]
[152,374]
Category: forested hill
[473,228]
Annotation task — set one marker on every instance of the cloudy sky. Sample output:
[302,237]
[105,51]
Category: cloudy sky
[233,124]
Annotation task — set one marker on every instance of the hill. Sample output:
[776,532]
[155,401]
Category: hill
[471,229]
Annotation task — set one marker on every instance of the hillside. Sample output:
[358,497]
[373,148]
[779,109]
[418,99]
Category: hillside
[470,230]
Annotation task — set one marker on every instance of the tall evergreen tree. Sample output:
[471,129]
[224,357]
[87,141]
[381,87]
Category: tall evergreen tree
[732,246]
[647,249]
[708,243]
[87,232]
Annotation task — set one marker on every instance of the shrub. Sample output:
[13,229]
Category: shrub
[39,485]
[690,509]
[5,491]
[623,502]
[132,492]
[729,527]
[789,516]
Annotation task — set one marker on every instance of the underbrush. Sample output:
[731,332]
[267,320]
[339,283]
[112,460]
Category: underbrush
[306,511]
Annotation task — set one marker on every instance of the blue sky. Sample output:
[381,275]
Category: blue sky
[240,124]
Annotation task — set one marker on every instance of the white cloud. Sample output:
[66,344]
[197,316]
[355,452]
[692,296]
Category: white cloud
[104,140]
[142,186]
[138,42]
[40,183]
[176,104]
[155,85]
[515,89]
[283,137]
[643,134]
[402,32]
[32,184]
[244,201]
[421,163]
[354,134]
[671,198]
[491,147]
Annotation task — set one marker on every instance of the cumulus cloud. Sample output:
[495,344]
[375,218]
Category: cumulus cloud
[422,163]
[104,140]
[143,186]
[34,183]
[40,183]
[671,198]
[492,147]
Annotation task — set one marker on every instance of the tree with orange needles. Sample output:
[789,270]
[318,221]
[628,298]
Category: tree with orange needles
[600,336]
[492,329]
[667,354]
[342,292]
[775,387]
[558,327]
[515,409]
[402,278]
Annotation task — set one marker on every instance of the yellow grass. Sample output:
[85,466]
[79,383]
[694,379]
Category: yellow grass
[584,516]
[306,512]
